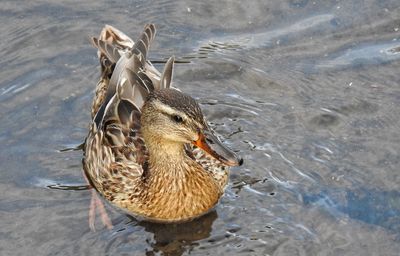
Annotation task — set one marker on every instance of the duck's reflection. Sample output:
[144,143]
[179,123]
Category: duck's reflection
[175,239]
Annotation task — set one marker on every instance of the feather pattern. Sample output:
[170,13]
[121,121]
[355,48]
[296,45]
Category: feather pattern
[116,158]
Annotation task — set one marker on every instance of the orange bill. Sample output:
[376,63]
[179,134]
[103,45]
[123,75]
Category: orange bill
[212,145]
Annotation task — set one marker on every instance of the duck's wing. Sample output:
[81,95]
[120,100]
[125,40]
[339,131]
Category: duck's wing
[120,123]
[115,149]
[114,50]
[108,36]
[131,91]
[112,46]
[166,77]
[115,131]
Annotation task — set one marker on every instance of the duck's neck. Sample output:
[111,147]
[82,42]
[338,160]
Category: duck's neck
[178,187]
[167,156]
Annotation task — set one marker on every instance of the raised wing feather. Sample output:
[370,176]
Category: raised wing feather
[166,77]
[143,43]
[116,37]
[127,79]
[109,50]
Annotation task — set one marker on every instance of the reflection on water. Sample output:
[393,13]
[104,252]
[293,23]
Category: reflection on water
[307,91]
[168,239]
[178,238]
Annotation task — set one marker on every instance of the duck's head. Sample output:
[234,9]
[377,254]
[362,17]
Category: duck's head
[171,116]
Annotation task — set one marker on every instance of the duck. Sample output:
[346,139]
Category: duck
[149,150]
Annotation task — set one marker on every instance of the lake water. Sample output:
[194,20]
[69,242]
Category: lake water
[307,92]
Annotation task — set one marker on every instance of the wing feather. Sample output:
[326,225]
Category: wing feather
[109,50]
[127,79]
[166,76]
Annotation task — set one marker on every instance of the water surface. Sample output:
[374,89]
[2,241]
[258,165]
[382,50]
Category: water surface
[307,92]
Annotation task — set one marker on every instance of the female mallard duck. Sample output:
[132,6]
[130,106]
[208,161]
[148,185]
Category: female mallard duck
[149,150]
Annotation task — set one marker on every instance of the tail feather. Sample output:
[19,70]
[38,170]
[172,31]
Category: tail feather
[109,50]
[116,37]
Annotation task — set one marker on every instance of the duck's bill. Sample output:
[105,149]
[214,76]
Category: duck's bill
[211,144]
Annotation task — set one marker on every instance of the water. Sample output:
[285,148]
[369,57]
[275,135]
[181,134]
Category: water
[307,92]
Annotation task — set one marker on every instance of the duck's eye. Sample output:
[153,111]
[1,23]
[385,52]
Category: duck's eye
[177,118]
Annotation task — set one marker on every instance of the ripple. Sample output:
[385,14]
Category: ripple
[25,81]
[256,40]
[365,54]
[308,94]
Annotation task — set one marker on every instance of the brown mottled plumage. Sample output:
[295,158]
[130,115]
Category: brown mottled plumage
[149,149]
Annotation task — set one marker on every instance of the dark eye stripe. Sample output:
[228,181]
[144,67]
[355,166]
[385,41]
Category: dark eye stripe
[177,118]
